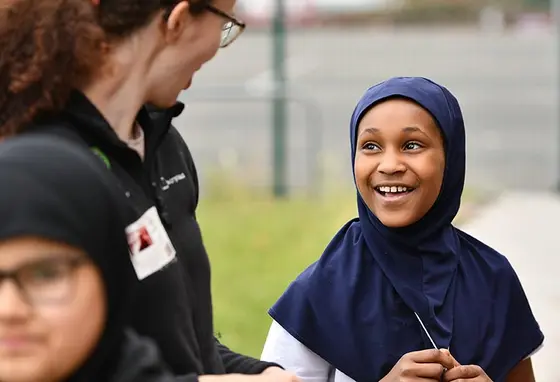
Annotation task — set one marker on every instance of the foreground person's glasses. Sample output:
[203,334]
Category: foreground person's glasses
[231,30]
[44,281]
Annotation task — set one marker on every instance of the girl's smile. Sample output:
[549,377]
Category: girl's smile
[394,193]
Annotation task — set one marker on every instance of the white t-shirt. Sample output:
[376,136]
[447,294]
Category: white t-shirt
[137,141]
[282,348]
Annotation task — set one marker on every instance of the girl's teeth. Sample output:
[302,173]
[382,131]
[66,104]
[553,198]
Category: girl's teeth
[393,189]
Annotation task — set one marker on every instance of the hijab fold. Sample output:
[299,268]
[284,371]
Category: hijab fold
[355,306]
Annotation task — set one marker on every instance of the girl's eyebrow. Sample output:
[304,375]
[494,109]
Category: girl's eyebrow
[370,130]
[407,129]
[414,129]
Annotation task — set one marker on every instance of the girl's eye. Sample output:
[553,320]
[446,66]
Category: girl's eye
[370,146]
[412,146]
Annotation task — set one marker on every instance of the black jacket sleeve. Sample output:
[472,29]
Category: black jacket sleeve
[242,364]
[233,362]
[140,361]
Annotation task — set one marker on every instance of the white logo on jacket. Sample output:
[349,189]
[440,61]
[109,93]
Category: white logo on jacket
[167,183]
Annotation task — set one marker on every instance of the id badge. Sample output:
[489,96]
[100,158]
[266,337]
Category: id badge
[149,244]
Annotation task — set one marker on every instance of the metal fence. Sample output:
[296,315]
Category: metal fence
[505,80]
[253,166]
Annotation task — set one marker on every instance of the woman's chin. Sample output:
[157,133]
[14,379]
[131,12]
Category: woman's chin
[188,85]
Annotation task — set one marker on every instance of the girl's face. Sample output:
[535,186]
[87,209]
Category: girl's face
[400,161]
[52,310]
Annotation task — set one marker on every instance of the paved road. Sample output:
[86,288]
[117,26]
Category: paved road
[507,85]
[517,226]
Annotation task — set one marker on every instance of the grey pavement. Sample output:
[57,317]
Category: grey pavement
[523,226]
[506,83]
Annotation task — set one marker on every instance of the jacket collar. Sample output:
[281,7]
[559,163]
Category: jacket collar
[88,119]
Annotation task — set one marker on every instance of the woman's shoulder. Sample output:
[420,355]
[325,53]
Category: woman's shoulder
[174,148]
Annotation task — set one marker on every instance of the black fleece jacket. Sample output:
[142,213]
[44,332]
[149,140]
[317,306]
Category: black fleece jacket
[175,305]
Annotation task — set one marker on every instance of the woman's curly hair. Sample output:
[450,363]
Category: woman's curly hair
[49,47]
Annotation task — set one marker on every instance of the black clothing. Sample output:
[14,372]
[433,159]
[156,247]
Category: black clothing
[59,191]
[140,361]
[174,305]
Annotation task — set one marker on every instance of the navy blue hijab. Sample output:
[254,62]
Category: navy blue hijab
[355,306]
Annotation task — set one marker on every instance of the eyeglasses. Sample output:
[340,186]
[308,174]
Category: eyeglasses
[45,281]
[233,27]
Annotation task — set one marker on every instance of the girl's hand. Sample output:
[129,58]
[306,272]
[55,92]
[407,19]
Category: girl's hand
[424,365]
[471,373]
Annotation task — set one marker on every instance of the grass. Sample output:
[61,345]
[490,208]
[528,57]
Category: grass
[257,246]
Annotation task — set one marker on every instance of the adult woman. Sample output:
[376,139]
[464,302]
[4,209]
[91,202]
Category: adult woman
[401,278]
[84,69]
[65,274]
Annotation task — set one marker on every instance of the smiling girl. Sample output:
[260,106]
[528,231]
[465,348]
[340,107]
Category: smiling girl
[400,281]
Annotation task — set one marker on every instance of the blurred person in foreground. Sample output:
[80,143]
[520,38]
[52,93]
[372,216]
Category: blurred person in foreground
[83,70]
[400,282]
[65,274]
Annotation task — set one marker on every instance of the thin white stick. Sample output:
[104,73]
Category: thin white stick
[426,331]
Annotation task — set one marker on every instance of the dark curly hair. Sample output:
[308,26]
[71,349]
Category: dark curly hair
[49,47]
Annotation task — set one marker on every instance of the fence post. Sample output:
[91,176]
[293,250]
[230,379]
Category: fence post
[279,112]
